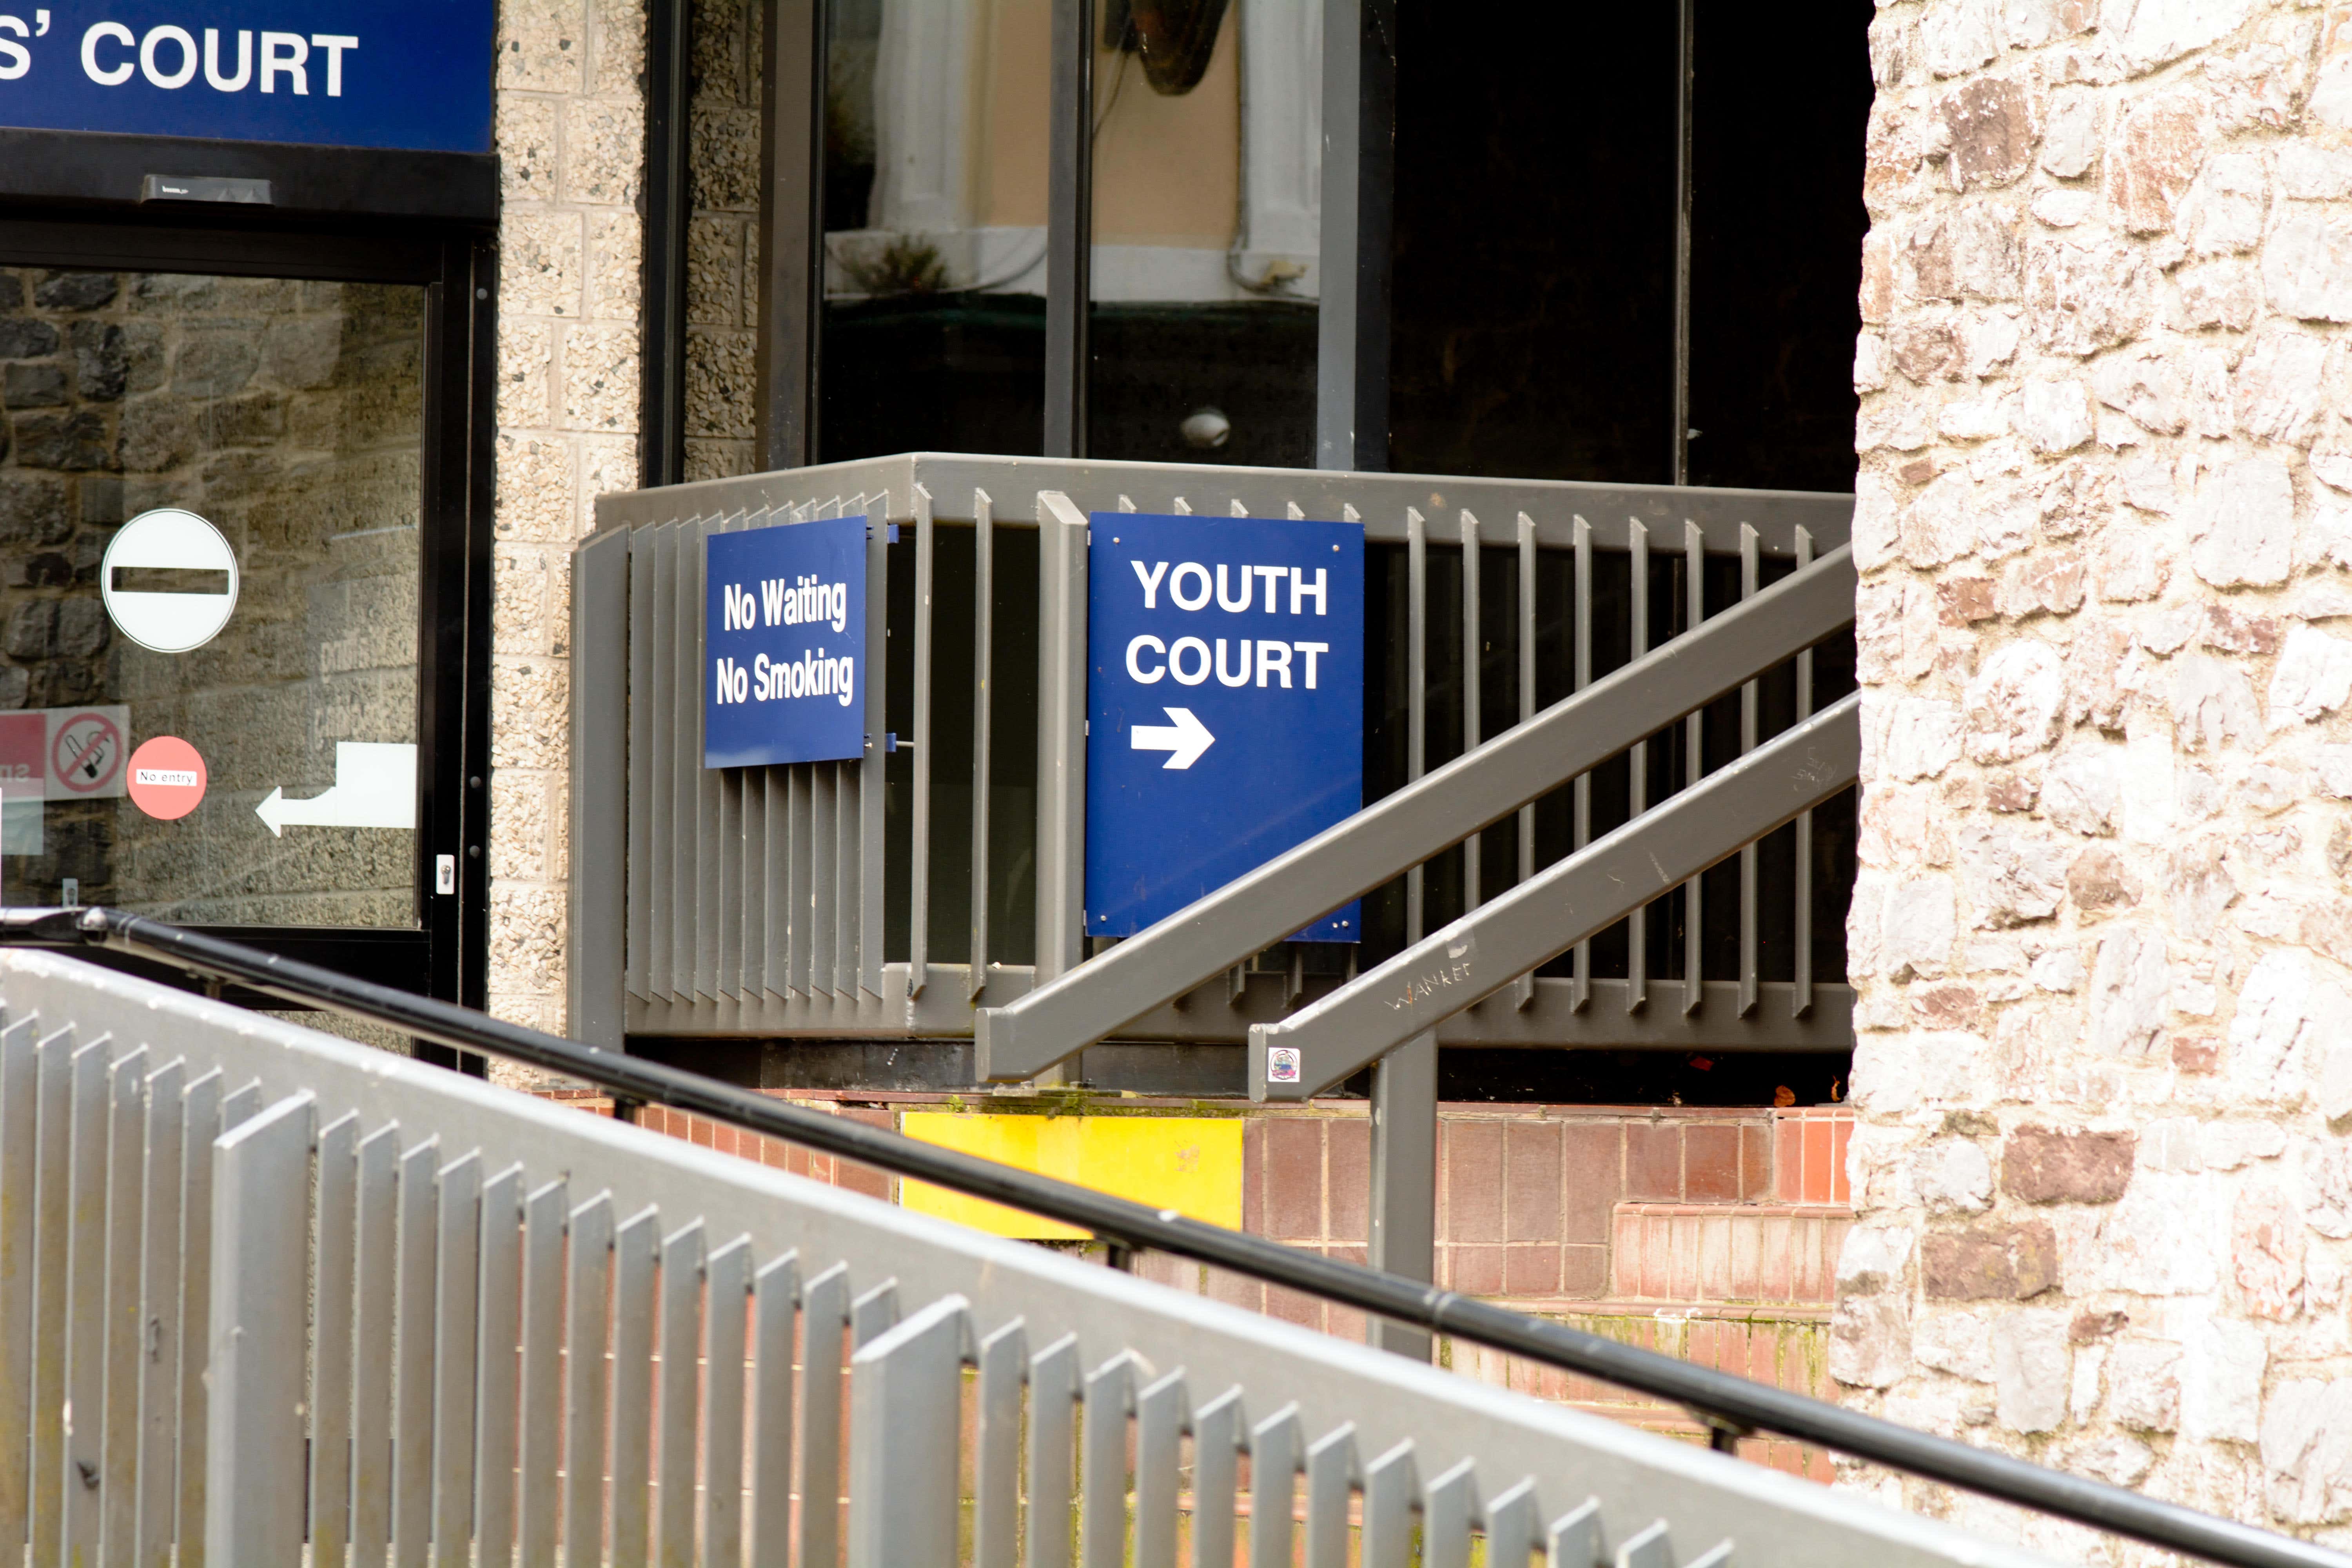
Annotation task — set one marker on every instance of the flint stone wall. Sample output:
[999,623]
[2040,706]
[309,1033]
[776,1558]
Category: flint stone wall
[2101,932]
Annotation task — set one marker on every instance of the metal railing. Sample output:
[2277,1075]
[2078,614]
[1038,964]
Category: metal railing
[896,895]
[158,1157]
[1566,741]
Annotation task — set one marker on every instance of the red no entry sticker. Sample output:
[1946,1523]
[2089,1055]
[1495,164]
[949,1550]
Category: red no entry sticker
[167,778]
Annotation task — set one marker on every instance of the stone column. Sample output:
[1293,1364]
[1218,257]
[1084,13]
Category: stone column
[2101,930]
[571,134]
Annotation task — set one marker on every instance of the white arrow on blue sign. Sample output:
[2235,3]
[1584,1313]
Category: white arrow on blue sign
[1225,705]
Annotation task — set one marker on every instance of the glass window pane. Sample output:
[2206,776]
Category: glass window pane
[1207,215]
[935,131]
[209,506]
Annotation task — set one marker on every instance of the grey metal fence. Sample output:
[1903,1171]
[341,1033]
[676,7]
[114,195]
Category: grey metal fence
[893,896]
[264,1292]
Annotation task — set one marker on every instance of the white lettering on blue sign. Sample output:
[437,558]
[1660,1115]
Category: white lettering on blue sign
[1225,705]
[357,73]
[785,636]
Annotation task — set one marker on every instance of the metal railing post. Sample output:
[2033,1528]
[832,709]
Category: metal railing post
[1061,733]
[903,1431]
[255,1480]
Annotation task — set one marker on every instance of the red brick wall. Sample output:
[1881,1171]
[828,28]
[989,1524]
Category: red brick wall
[1707,1234]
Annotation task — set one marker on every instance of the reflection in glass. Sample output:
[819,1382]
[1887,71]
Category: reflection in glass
[935,131]
[1207,211]
[290,415]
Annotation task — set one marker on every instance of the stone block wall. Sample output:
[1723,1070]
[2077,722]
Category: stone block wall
[2101,932]
[571,139]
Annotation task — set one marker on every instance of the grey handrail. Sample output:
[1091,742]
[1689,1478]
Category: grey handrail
[1580,897]
[1474,791]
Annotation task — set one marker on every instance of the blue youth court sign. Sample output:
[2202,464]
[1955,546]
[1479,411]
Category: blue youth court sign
[409,74]
[1225,705]
[784,677]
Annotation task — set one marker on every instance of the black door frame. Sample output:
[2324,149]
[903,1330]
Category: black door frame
[447,955]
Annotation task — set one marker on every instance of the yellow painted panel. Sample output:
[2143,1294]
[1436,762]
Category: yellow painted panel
[1191,1165]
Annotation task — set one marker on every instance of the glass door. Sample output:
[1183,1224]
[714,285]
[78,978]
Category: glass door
[238,596]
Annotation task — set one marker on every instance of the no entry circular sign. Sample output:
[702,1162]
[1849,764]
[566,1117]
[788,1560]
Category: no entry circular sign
[167,778]
[169,580]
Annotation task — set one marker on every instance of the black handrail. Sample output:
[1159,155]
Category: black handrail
[1727,1404]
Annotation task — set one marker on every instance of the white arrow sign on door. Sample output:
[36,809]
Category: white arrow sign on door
[375,787]
[1183,741]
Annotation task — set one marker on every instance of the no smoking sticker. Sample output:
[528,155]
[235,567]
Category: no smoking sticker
[167,778]
[85,753]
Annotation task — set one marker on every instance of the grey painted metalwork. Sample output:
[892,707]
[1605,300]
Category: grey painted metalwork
[757,902]
[600,886]
[1417,822]
[925,1300]
[1590,890]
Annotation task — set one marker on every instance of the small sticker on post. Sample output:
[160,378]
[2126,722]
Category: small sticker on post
[1281,1064]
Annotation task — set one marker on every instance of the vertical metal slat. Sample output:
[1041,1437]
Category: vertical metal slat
[919,852]
[1749,582]
[1275,1445]
[587,1306]
[497,1378]
[824,1313]
[1330,1466]
[376,1275]
[633,1248]
[681,1339]
[1217,1467]
[1417,699]
[658,701]
[996,1444]
[1800,993]
[19,1131]
[1511,1525]
[411,1373]
[873,769]
[903,1437]
[1052,1405]
[1102,1470]
[158,1387]
[118,1492]
[253,1484]
[1694,770]
[1159,1433]
[702,786]
[1574,1538]
[984,609]
[457,1239]
[539,1426]
[1473,674]
[801,890]
[1390,1485]
[647,852]
[728,1288]
[1637,772]
[1524,991]
[1445,1516]
[824,884]
[723,788]
[775,1290]
[52,1206]
[331,1322]
[83,1470]
[1580,676]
